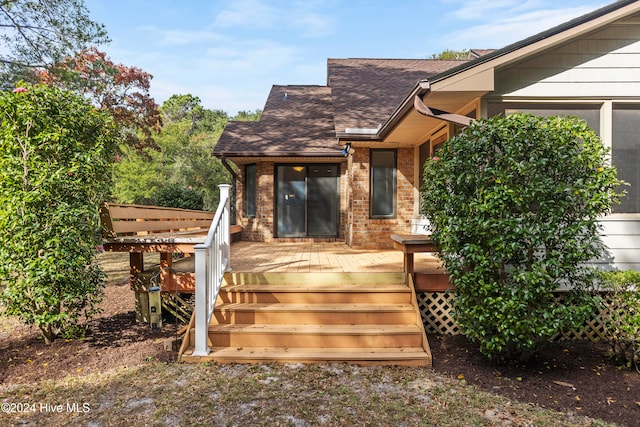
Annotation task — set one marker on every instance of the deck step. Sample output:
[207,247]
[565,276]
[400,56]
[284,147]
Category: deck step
[317,314]
[321,336]
[410,356]
[299,294]
[315,317]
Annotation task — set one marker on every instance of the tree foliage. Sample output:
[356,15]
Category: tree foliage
[451,55]
[56,156]
[514,203]
[184,168]
[247,116]
[122,90]
[39,33]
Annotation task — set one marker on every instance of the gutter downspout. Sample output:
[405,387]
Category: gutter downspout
[234,178]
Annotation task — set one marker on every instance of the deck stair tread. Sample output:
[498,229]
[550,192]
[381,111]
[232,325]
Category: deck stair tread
[338,308]
[268,287]
[316,329]
[284,354]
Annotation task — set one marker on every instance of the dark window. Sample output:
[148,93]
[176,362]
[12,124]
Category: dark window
[625,154]
[383,183]
[250,190]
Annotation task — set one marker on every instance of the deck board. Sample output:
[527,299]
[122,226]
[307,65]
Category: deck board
[322,257]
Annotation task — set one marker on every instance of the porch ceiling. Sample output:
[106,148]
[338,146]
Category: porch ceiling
[414,128]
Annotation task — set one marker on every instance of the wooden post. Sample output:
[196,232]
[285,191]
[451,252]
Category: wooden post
[166,278]
[136,267]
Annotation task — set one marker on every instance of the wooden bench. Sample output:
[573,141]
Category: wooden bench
[120,220]
[138,229]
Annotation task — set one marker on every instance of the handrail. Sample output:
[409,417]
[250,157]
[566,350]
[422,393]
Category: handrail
[212,261]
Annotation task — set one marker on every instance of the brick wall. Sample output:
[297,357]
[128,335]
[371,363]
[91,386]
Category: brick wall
[261,228]
[363,231]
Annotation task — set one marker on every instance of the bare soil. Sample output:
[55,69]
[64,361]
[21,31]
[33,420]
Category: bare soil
[571,377]
[574,378]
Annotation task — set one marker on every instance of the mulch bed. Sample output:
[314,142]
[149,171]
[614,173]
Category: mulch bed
[574,377]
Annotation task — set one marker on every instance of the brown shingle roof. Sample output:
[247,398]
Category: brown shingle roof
[366,91]
[300,123]
[361,93]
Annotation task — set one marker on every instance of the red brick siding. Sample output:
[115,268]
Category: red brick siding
[375,233]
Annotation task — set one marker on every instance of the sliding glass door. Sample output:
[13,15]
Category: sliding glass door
[307,202]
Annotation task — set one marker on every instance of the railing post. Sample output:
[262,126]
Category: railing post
[226,221]
[202,298]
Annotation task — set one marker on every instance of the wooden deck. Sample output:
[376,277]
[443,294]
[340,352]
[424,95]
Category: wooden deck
[317,302]
[334,257]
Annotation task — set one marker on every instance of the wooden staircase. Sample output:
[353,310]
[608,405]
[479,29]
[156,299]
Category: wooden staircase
[364,318]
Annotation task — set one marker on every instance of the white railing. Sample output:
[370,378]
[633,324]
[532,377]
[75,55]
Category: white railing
[212,261]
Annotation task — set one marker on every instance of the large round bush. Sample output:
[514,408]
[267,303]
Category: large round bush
[514,203]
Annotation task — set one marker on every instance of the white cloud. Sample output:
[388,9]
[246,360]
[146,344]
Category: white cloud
[252,15]
[177,37]
[506,26]
[249,56]
[482,10]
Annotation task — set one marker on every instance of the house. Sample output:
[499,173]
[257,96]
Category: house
[343,161]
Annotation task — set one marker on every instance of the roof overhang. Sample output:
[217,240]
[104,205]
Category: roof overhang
[229,154]
[255,158]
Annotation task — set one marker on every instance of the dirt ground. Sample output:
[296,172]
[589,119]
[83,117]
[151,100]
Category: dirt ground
[572,377]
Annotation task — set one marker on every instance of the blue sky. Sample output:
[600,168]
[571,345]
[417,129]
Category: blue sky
[230,53]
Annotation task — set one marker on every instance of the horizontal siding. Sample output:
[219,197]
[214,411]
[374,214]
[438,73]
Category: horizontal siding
[603,64]
[621,236]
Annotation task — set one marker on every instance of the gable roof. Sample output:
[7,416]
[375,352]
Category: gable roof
[297,121]
[366,91]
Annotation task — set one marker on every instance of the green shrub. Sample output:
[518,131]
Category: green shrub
[174,196]
[514,203]
[56,155]
[623,321]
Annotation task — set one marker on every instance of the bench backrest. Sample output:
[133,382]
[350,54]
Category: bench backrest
[135,220]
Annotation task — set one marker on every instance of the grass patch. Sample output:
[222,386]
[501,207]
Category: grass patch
[297,395]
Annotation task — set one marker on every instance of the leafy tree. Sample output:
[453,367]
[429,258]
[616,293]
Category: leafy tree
[514,203]
[56,156]
[452,55]
[122,90]
[247,116]
[39,33]
[184,164]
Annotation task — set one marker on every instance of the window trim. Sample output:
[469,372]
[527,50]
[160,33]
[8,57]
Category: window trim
[394,214]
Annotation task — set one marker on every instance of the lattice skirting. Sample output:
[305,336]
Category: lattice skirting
[436,308]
